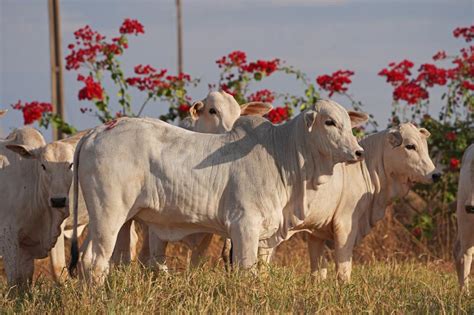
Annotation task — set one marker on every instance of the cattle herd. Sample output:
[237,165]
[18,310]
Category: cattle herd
[226,170]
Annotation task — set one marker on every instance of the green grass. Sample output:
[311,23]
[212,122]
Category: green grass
[375,288]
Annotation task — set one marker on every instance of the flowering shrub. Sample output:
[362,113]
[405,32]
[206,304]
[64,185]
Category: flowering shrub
[237,73]
[94,53]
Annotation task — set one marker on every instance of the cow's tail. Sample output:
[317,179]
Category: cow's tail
[74,242]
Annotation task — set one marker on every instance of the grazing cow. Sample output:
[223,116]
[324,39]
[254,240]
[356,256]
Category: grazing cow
[34,182]
[346,207]
[464,247]
[215,114]
[248,184]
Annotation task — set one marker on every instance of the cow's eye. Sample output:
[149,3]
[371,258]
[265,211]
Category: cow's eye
[212,111]
[70,165]
[330,122]
[410,147]
[44,167]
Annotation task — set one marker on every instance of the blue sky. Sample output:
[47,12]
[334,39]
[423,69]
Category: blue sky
[316,36]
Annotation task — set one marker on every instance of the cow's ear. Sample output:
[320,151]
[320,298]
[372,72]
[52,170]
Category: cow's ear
[425,132]
[3,112]
[395,138]
[196,109]
[22,150]
[255,109]
[357,118]
[310,118]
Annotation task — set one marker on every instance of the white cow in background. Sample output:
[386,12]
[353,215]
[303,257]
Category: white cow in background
[248,184]
[346,207]
[34,182]
[464,247]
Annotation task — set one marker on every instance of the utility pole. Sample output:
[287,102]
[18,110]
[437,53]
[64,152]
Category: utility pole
[57,92]
[179,25]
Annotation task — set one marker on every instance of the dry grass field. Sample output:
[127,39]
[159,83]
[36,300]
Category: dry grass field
[393,273]
[376,288]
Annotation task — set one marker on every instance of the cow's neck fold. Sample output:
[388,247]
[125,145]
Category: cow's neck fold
[385,187]
[302,166]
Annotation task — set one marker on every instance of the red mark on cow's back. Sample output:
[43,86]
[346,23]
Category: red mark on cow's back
[111,124]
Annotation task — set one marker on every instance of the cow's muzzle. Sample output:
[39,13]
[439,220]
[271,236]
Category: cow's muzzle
[58,202]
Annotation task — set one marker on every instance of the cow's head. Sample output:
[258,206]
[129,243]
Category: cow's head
[218,112]
[332,125]
[406,155]
[54,163]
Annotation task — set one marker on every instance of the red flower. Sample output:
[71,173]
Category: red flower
[130,26]
[89,44]
[417,232]
[262,96]
[467,85]
[147,69]
[236,58]
[397,73]
[184,108]
[149,79]
[279,114]
[410,92]
[226,89]
[431,75]
[451,136]
[179,78]
[92,91]
[466,32]
[33,111]
[440,55]
[265,67]
[335,83]
[111,49]
[454,164]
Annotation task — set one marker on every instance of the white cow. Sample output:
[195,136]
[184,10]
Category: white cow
[464,247]
[34,180]
[248,184]
[215,114]
[346,207]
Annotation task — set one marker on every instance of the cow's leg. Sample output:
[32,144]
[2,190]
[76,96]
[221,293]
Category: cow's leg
[102,236]
[265,255]
[458,262]
[58,259]
[345,235]
[121,252]
[226,254]
[144,256]
[19,267]
[466,262]
[16,261]
[316,257]
[199,250]
[157,251]
[245,237]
